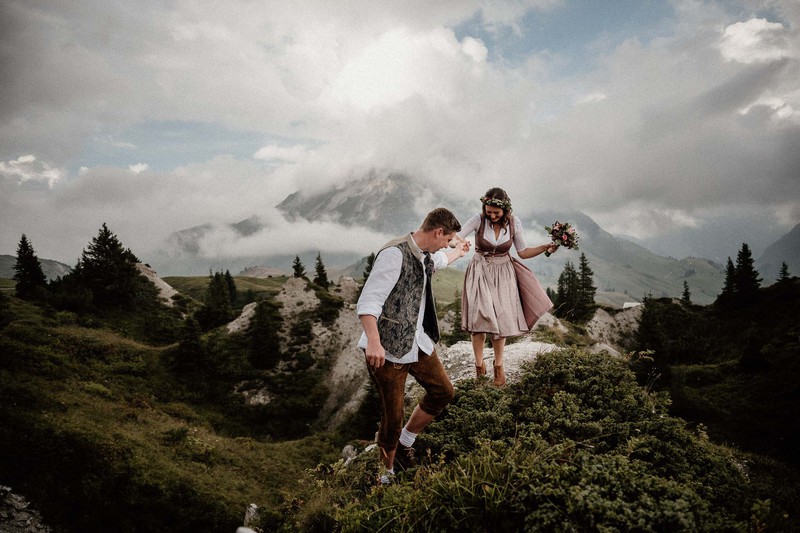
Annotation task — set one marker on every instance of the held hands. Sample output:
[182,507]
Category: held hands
[461,245]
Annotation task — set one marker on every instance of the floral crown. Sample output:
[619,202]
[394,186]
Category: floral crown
[496,202]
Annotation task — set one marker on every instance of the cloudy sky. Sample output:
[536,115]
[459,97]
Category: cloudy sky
[152,116]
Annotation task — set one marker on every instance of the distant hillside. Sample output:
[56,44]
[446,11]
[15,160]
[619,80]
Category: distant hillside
[784,250]
[52,269]
[622,266]
[393,203]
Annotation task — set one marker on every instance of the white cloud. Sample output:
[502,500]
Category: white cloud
[755,41]
[475,49]
[591,98]
[28,168]
[281,153]
[138,167]
[678,123]
[285,238]
[402,64]
[645,219]
[778,108]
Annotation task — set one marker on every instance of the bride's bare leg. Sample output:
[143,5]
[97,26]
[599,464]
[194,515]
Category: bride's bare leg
[478,342]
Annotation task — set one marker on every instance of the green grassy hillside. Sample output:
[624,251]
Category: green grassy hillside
[732,367]
[96,431]
[445,284]
[102,429]
[7,284]
[248,289]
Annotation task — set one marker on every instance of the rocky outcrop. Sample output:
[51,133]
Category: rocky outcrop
[613,333]
[241,322]
[16,515]
[347,378]
[165,290]
[459,360]
[346,289]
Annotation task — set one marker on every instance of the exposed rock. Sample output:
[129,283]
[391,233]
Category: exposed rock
[346,289]
[603,347]
[617,330]
[446,323]
[242,322]
[349,452]
[251,514]
[459,360]
[253,396]
[548,320]
[296,296]
[165,290]
[348,374]
[16,516]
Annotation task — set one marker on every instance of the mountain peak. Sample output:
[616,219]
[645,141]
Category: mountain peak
[389,203]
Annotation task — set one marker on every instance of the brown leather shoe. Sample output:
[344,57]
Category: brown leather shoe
[499,376]
[405,458]
[481,370]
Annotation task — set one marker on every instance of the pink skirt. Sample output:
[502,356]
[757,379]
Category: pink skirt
[490,301]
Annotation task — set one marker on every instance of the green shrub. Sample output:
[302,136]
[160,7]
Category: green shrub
[327,311]
[575,445]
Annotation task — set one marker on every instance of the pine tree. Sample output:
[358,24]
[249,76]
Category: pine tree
[586,288]
[728,293]
[370,264]
[568,292]
[458,333]
[686,298]
[299,269]
[216,309]
[189,354]
[321,278]
[552,295]
[783,276]
[31,281]
[265,346]
[108,270]
[746,281]
[232,293]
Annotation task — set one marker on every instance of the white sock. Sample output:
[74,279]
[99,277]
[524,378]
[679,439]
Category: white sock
[407,438]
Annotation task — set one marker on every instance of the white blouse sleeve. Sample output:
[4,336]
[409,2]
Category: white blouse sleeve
[470,226]
[519,237]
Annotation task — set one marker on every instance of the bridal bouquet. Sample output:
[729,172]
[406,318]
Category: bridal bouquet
[562,234]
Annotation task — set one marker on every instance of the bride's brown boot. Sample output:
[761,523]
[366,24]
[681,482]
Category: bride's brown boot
[499,376]
[481,370]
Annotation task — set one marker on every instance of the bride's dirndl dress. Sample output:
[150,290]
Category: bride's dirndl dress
[490,301]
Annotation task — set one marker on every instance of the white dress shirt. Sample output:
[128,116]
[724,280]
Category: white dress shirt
[382,279]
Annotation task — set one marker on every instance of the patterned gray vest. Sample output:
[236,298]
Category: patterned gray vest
[397,324]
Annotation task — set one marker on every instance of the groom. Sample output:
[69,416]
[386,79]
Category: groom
[398,314]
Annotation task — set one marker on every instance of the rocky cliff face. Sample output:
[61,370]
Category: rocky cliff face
[348,377]
[337,342]
[17,516]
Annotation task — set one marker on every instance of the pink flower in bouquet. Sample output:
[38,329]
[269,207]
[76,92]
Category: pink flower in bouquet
[562,234]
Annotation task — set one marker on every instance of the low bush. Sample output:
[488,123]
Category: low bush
[576,444]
